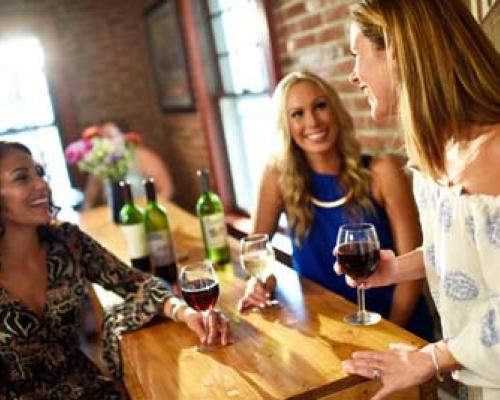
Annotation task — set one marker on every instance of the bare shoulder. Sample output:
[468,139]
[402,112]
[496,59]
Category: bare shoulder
[270,188]
[492,147]
[387,168]
[271,172]
[486,166]
[389,178]
[145,152]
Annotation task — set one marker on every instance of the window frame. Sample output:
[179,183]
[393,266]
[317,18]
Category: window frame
[44,28]
[269,45]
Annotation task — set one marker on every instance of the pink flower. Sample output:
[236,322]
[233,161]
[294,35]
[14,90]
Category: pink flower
[76,151]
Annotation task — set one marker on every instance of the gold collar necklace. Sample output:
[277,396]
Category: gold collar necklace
[329,204]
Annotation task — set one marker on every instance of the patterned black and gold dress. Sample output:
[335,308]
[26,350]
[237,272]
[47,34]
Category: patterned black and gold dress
[40,357]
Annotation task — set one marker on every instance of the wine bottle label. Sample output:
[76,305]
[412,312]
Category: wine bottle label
[135,235]
[214,229]
[161,247]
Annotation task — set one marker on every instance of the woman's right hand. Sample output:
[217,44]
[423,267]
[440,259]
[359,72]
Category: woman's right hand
[258,294]
[212,327]
[383,275]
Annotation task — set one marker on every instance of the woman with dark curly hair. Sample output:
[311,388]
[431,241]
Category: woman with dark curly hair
[45,267]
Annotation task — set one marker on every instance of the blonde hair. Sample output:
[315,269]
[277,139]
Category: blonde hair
[447,67]
[292,165]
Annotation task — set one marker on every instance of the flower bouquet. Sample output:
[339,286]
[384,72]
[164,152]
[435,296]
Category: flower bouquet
[107,158]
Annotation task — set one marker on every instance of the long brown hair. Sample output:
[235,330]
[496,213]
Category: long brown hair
[294,170]
[447,67]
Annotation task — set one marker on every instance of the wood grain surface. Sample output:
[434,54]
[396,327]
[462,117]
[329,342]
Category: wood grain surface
[294,352]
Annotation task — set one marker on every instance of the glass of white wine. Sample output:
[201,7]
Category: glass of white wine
[257,258]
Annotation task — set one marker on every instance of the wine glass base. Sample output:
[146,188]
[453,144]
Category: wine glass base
[363,318]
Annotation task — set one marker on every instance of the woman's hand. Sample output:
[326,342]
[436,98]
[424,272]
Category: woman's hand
[258,294]
[399,368]
[212,327]
[383,275]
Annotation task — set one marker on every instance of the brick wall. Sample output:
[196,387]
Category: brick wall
[105,64]
[106,67]
[314,35]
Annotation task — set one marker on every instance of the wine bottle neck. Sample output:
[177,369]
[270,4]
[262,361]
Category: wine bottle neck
[127,193]
[150,191]
[204,181]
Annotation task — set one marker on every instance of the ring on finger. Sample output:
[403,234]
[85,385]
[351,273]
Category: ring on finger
[376,373]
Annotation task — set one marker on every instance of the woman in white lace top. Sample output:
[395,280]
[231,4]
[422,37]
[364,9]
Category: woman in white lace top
[430,63]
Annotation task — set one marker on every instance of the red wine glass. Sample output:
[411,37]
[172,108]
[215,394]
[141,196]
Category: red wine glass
[200,288]
[358,255]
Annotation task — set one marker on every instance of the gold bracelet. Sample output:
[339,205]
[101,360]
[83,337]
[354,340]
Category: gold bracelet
[439,375]
[177,304]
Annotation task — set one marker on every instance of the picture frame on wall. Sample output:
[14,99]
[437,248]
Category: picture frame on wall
[168,57]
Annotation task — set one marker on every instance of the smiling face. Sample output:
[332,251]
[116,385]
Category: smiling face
[24,194]
[310,118]
[375,74]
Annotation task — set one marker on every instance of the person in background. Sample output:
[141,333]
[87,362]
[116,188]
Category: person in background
[41,288]
[430,62]
[321,180]
[147,164]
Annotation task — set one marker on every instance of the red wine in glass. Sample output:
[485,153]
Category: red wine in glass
[358,256]
[201,294]
[200,289]
[358,259]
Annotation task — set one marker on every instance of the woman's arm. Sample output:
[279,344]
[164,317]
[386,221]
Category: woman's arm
[264,220]
[391,187]
[151,165]
[144,298]
[269,202]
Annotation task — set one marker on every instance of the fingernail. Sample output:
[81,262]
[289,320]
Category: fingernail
[268,295]
[262,305]
[346,366]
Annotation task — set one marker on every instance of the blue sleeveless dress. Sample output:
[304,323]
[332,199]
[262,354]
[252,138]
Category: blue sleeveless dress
[313,258]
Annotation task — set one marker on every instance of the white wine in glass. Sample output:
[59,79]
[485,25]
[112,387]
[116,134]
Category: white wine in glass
[257,257]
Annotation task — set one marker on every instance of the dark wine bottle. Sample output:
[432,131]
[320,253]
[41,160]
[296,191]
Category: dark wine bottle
[132,224]
[210,212]
[159,236]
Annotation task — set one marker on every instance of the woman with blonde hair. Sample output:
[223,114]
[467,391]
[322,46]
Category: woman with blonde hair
[321,181]
[430,62]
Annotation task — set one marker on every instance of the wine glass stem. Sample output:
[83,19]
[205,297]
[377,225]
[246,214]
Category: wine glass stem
[361,300]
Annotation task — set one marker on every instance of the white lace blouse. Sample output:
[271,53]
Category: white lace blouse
[462,261]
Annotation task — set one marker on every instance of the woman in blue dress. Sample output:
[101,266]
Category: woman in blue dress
[321,180]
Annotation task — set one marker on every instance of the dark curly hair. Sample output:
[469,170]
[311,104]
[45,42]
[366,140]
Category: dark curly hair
[5,148]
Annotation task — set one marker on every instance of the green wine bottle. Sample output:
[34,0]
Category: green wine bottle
[159,236]
[211,214]
[132,225]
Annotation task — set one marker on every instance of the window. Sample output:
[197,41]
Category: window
[244,100]
[27,115]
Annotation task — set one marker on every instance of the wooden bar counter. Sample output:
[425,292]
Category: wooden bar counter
[290,353]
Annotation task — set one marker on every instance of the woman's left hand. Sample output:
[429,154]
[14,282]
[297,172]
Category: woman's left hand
[399,368]
[212,327]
